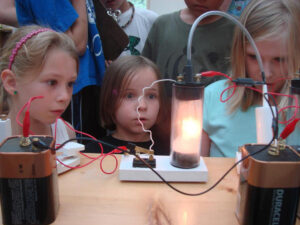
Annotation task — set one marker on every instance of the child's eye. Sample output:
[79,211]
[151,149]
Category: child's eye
[253,57]
[51,82]
[129,95]
[279,59]
[71,84]
[152,96]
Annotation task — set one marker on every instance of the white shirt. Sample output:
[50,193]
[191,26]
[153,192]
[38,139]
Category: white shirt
[137,30]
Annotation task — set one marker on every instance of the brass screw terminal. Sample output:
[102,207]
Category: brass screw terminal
[281,144]
[197,77]
[3,116]
[34,148]
[275,148]
[180,78]
[25,141]
[139,150]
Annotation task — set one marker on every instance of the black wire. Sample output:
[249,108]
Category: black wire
[154,171]
[43,145]
[215,184]
[263,76]
[275,135]
[275,117]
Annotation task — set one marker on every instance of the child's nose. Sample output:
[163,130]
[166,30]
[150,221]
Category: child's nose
[268,70]
[63,95]
[142,104]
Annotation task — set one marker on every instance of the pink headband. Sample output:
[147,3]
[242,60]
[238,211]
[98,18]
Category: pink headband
[23,41]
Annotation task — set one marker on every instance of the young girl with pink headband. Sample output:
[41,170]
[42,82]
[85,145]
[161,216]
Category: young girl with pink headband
[38,63]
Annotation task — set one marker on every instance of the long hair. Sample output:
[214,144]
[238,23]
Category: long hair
[116,80]
[32,54]
[264,19]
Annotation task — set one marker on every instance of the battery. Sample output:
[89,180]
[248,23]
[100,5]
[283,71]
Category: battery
[28,182]
[269,187]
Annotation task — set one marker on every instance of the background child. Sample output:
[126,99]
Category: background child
[167,40]
[166,46]
[123,83]
[136,22]
[38,62]
[274,26]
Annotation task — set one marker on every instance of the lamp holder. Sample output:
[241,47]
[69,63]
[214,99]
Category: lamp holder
[170,173]
[188,79]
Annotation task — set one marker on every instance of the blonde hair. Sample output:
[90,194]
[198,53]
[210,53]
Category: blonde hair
[116,80]
[264,19]
[32,54]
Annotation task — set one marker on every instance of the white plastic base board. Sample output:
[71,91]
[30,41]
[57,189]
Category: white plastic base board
[72,161]
[69,155]
[164,168]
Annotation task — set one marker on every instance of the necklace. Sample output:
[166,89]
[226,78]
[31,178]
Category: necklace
[131,17]
[113,13]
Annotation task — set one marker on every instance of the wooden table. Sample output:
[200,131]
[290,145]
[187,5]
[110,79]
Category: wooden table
[88,196]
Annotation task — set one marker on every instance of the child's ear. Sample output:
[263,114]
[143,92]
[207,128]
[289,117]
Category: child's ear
[9,81]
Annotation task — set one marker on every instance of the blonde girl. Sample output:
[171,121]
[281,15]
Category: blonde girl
[274,26]
[37,61]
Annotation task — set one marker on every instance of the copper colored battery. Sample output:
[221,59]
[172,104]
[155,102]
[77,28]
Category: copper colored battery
[28,183]
[269,187]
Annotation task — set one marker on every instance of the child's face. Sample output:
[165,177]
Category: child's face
[202,6]
[126,117]
[274,57]
[54,81]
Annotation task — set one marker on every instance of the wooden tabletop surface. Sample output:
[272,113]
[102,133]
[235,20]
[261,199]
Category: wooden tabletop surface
[87,196]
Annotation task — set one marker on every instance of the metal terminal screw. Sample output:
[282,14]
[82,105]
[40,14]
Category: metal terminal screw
[25,141]
[276,147]
[34,148]
[3,116]
[281,144]
[273,150]
[151,157]
[197,77]
[180,78]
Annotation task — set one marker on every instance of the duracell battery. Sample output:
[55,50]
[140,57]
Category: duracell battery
[28,182]
[269,187]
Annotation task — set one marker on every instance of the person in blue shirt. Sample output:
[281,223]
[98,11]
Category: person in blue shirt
[77,19]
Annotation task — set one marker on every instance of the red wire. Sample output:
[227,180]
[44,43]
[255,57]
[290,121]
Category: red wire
[19,113]
[26,120]
[294,114]
[94,158]
[26,131]
[284,108]
[26,124]
[289,129]
[215,73]
[226,89]
[291,125]
[77,167]
[110,154]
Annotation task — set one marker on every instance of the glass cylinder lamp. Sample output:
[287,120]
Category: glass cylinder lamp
[186,125]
